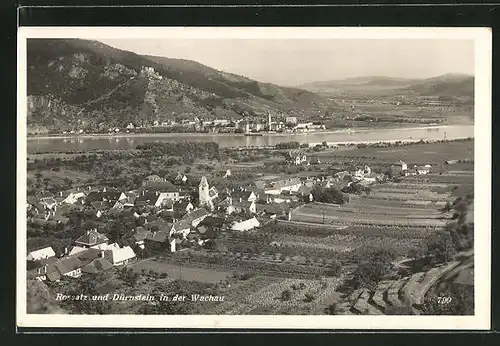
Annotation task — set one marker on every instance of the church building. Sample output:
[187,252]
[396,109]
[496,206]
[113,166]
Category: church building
[207,195]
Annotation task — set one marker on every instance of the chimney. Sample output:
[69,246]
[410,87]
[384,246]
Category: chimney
[240,199]
[65,250]
[60,193]
[90,188]
[102,253]
[39,271]
[88,232]
[45,269]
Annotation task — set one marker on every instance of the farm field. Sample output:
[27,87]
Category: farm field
[400,216]
[58,178]
[182,272]
[265,296]
[432,153]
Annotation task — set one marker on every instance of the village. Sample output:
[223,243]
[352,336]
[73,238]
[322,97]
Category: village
[247,224]
[171,218]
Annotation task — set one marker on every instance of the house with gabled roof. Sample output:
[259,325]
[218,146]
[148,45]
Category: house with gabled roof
[70,266]
[49,203]
[277,187]
[44,253]
[181,227]
[47,271]
[194,217]
[273,210]
[119,256]
[109,196]
[146,199]
[152,179]
[183,206]
[97,266]
[91,238]
[139,235]
[244,194]
[295,157]
[212,223]
[72,196]
[245,225]
[156,236]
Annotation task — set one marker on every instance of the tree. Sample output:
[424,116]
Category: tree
[128,276]
[334,268]
[331,309]
[288,145]
[376,263]
[39,299]
[328,195]
[440,247]
[309,297]
[286,295]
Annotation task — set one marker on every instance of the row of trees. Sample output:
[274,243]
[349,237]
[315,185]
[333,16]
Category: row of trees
[181,149]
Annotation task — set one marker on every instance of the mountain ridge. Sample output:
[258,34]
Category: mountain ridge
[84,82]
[450,84]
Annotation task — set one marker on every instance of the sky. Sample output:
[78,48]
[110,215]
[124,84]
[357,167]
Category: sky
[291,62]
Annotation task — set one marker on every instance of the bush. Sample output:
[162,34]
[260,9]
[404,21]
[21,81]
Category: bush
[288,145]
[309,297]
[330,195]
[458,301]
[286,295]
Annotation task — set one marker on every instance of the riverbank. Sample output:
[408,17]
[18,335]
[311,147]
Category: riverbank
[198,134]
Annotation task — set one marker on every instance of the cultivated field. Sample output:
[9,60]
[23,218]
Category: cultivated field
[182,272]
[432,153]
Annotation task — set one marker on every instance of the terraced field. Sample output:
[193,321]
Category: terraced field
[399,215]
[406,292]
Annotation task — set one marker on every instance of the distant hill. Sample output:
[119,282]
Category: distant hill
[87,84]
[452,85]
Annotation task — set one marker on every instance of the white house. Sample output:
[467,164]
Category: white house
[73,197]
[39,254]
[164,196]
[182,227]
[295,157]
[172,245]
[278,187]
[70,266]
[245,225]
[404,166]
[423,170]
[75,250]
[196,216]
[118,256]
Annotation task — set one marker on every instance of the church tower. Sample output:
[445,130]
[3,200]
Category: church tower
[204,196]
[269,121]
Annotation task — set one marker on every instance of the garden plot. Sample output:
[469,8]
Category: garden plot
[182,272]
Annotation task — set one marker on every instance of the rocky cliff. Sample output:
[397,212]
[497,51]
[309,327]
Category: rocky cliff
[88,85]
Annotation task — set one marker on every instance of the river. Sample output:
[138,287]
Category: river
[238,140]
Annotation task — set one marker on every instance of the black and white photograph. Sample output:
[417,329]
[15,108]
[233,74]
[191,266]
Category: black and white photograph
[254,177]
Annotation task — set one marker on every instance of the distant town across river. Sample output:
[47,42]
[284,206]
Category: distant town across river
[130,141]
